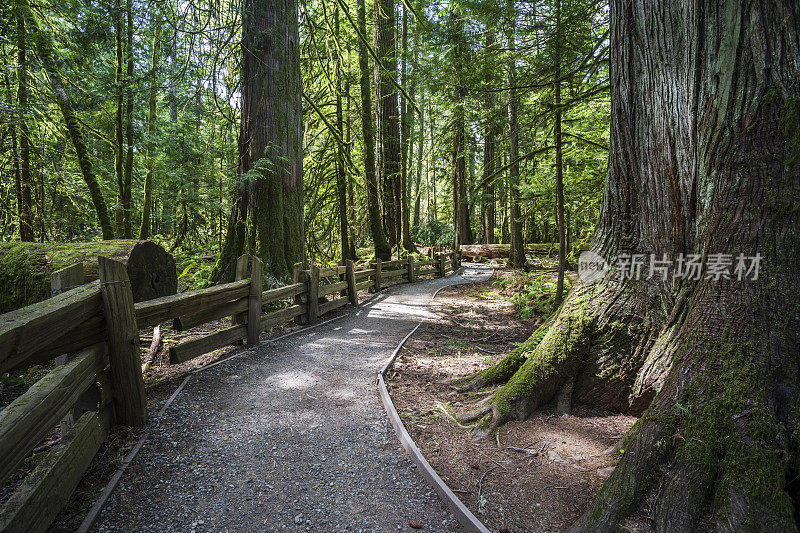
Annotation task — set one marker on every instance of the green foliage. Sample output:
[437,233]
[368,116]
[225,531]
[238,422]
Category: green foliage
[532,294]
[433,233]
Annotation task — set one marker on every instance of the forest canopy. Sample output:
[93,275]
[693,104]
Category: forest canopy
[121,119]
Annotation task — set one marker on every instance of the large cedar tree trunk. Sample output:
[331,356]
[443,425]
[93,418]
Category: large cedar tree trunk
[388,118]
[267,214]
[705,159]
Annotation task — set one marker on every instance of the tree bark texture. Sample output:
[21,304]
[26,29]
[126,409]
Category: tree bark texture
[267,214]
[388,118]
[704,159]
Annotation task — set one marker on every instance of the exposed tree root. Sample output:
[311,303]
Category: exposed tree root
[502,371]
[719,441]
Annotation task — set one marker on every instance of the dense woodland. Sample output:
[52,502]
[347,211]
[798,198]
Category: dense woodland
[328,130]
[122,120]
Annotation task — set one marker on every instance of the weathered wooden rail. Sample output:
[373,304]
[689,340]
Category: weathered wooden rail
[100,383]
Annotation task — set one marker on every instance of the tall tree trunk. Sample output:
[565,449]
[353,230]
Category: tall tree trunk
[562,246]
[382,248]
[517,258]
[267,214]
[128,179]
[119,114]
[388,117]
[461,223]
[489,155]
[152,125]
[24,202]
[420,153]
[46,53]
[704,160]
[341,173]
[406,120]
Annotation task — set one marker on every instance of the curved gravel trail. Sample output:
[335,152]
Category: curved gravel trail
[289,437]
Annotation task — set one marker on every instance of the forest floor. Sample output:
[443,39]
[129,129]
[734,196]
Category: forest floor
[569,457]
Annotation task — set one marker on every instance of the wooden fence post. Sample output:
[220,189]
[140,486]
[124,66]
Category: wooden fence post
[352,295]
[299,276]
[123,343]
[377,286]
[66,279]
[254,300]
[240,274]
[60,281]
[411,274]
[442,266]
[454,255]
[249,267]
[313,294]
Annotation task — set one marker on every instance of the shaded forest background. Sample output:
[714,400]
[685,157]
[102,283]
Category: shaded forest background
[497,104]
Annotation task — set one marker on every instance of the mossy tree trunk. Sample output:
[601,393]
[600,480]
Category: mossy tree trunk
[704,160]
[381,244]
[388,117]
[267,214]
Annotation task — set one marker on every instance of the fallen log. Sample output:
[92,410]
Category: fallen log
[25,268]
[498,251]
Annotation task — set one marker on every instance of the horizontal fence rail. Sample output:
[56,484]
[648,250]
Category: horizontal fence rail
[92,331]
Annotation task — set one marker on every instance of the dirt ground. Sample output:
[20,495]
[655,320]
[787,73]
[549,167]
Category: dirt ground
[542,489]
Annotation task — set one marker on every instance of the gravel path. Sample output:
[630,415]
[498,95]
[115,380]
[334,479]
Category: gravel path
[291,436]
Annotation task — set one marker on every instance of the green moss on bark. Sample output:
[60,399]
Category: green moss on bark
[790,123]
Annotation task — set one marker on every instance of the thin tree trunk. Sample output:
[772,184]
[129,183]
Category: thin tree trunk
[420,154]
[44,47]
[489,155]
[119,114]
[461,224]
[382,248]
[152,125]
[128,178]
[405,131]
[341,174]
[562,246]
[517,259]
[24,202]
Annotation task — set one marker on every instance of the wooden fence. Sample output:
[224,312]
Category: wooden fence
[100,384]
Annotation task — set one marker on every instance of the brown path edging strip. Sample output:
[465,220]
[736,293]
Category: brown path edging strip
[464,516]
